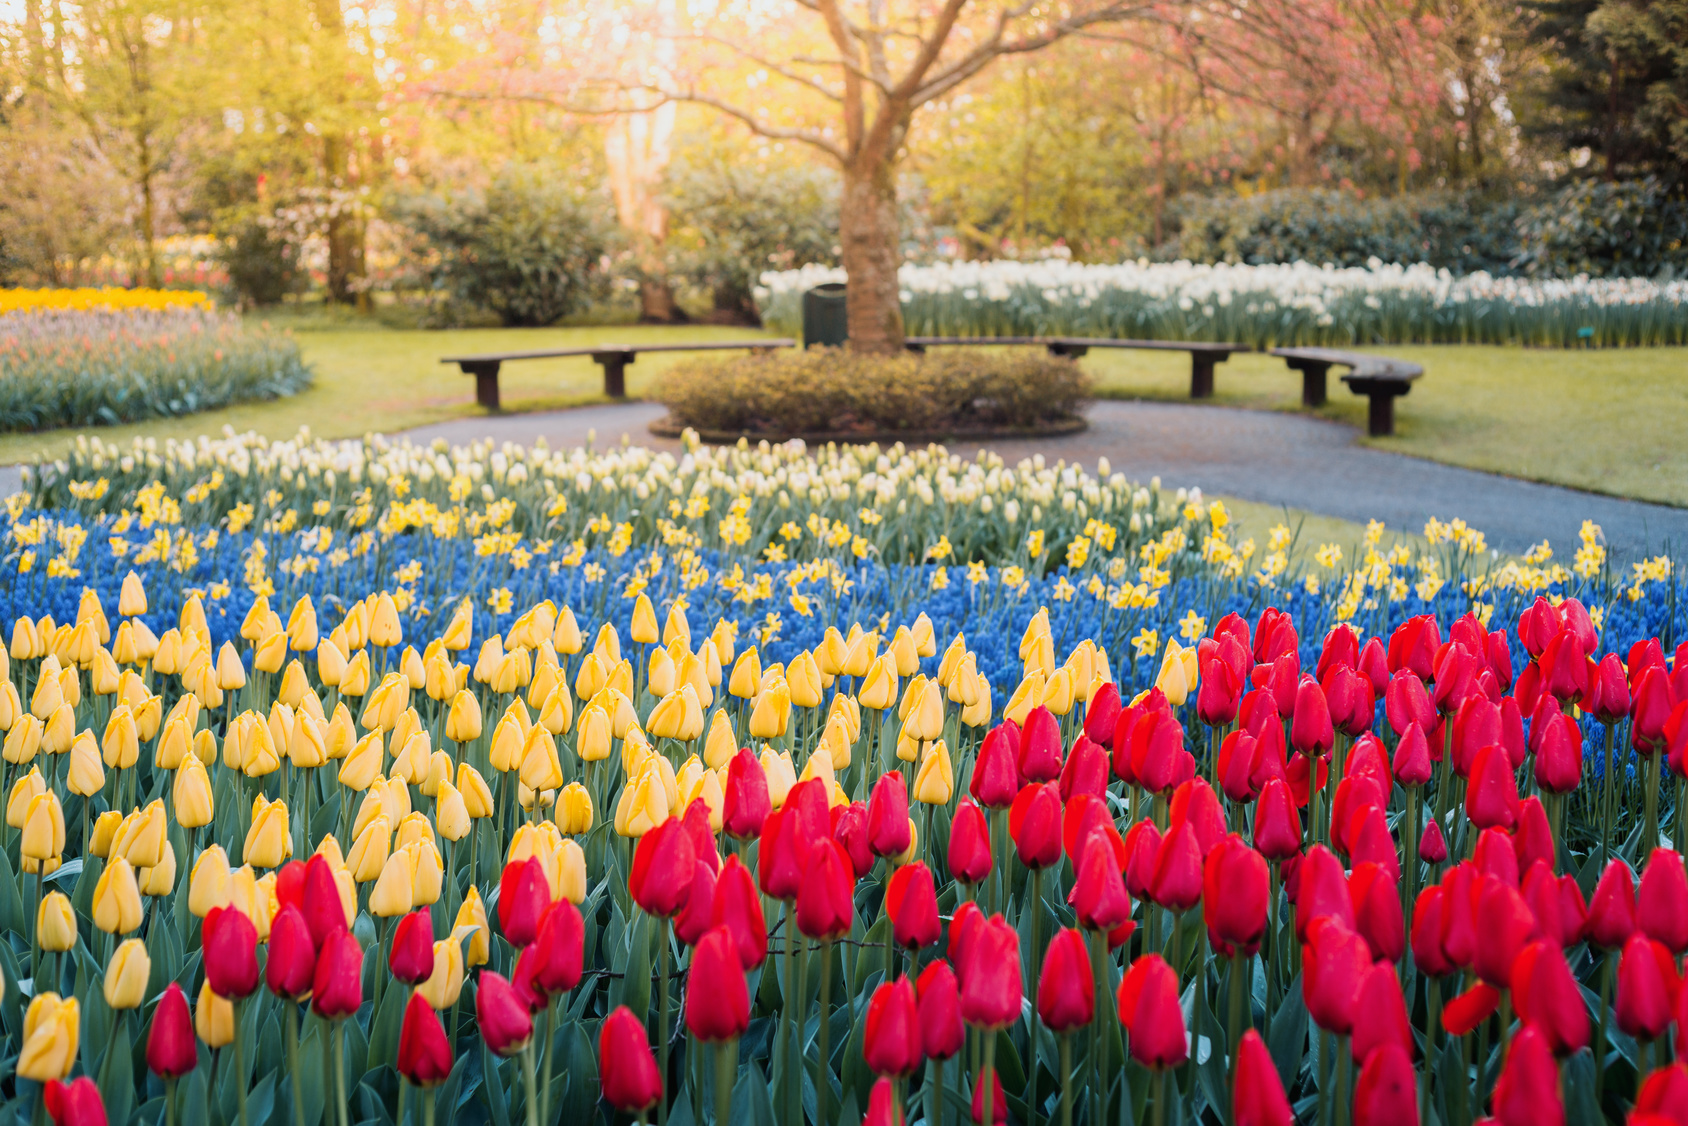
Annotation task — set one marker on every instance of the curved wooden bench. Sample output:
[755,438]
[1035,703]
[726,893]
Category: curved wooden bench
[613,358]
[1203,354]
[1379,378]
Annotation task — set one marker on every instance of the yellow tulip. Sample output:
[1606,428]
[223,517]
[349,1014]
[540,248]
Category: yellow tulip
[593,734]
[477,795]
[1081,665]
[268,841]
[445,984]
[117,898]
[302,625]
[55,923]
[258,755]
[364,764]
[370,850]
[463,722]
[508,742]
[331,663]
[1027,696]
[104,833]
[126,975]
[540,768]
[410,762]
[964,685]
[556,712]
[849,710]
[721,745]
[208,884]
[243,893]
[59,731]
[142,845]
[489,660]
[1172,679]
[781,774]
[513,673]
[10,706]
[293,684]
[25,640]
[52,1032]
[772,712]
[660,675]
[818,766]
[925,719]
[174,744]
[384,628]
[23,740]
[978,713]
[213,1019]
[355,680]
[590,678]
[160,879]
[103,673]
[427,874]
[1058,691]
[48,695]
[723,637]
[392,893]
[395,798]
[831,653]
[746,678]
[879,690]
[43,828]
[934,783]
[267,657]
[913,849]
[574,810]
[904,652]
[329,850]
[24,791]
[571,872]
[643,629]
[803,676]
[462,627]
[148,714]
[191,794]
[836,743]
[439,770]
[125,646]
[643,805]
[862,651]
[710,657]
[132,599]
[677,716]
[412,827]
[473,915]
[451,813]
[305,747]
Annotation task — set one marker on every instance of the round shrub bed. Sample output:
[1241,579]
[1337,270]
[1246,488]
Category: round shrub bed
[826,393]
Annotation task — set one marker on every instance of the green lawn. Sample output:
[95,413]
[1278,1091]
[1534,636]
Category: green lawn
[1608,421]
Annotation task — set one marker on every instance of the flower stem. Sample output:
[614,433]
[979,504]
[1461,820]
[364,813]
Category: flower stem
[340,1069]
[987,1089]
[529,1085]
[1066,1079]
[823,1037]
[663,1018]
[239,1063]
[293,1063]
[726,1068]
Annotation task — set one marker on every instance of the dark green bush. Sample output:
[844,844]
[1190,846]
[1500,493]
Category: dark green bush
[529,248]
[1633,228]
[1462,232]
[730,222]
[825,390]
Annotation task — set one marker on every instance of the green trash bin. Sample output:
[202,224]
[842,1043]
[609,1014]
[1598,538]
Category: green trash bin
[825,322]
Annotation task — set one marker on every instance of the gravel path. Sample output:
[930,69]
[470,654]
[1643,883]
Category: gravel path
[1270,457]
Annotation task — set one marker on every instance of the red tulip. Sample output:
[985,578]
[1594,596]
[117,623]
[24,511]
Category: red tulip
[1040,746]
[745,804]
[560,948]
[1455,675]
[849,829]
[1101,714]
[292,955]
[881,1106]
[337,984]
[1235,889]
[965,926]
[1608,691]
[1432,848]
[698,915]
[1476,725]
[1611,913]
[1157,742]
[412,957]
[969,856]
[1428,954]
[172,1050]
[1099,897]
[425,1057]
[524,896]
[1576,618]
[1468,1010]
[911,899]
[1559,755]
[1495,856]
[1647,986]
[1374,665]
[1661,904]
[1034,823]
[1066,993]
[1564,668]
[825,903]
[887,816]
[1459,924]
[891,1036]
[717,999]
[1142,850]
[1492,798]
[325,911]
[1537,625]
[696,822]
[1527,1092]
[942,1032]
[1149,1009]
[1235,765]
[1274,635]
[1508,926]
[626,1069]
[1406,701]
[1086,770]
[1277,825]
[1310,730]
[663,865]
[738,907]
[782,854]
[1341,649]
[1281,677]
[1257,1094]
[1547,996]
[1194,803]
[1413,646]
[1377,910]
[1664,1094]
[999,1106]
[1380,1013]
[996,772]
[1218,692]
[76,1103]
[1386,1094]
[1334,961]
[290,885]
[230,942]
[1349,696]
[1177,883]
[1085,815]
[990,985]
[1323,891]
[1655,697]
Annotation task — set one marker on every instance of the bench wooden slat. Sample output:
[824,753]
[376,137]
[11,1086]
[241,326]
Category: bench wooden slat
[613,358]
[1203,354]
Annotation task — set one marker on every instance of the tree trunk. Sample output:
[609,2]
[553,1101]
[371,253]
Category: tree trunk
[657,304]
[149,213]
[869,234]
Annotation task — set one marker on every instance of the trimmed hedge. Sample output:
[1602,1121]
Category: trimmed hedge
[826,390]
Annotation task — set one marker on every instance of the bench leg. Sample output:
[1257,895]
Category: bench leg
[1313,384]
[486,383]
[1380,418]
[615,375]
[1201,376]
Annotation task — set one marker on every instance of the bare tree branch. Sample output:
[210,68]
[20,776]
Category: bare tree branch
[780,69]
[755,124]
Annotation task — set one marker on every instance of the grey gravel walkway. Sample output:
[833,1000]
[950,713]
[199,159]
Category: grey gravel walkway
[1264,456]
